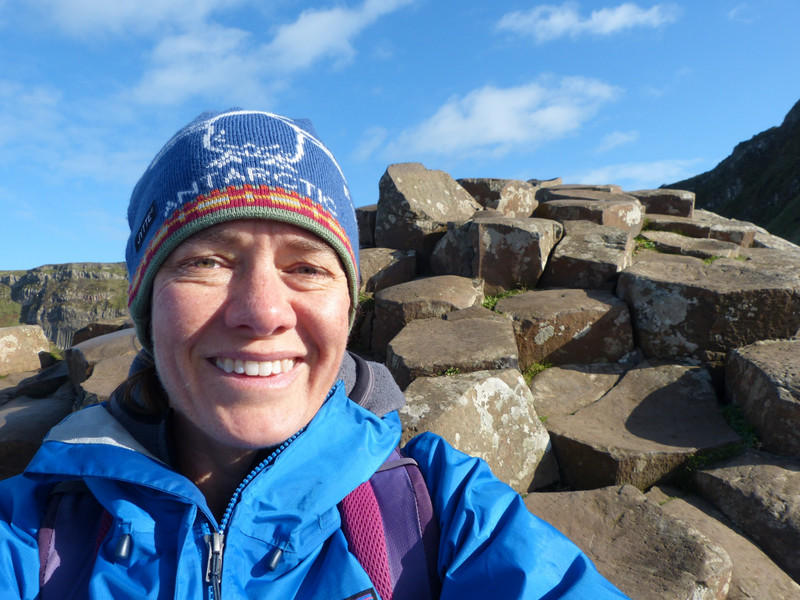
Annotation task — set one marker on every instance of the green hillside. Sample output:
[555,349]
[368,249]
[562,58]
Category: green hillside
[759,182]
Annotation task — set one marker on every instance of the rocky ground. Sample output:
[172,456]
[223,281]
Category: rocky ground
[627,363]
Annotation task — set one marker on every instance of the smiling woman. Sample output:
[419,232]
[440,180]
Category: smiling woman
[249,330]
[238,456]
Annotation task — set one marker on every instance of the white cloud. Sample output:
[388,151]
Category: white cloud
[370,142]
[633,176]
[498,120]
[30,113]
[743,13]
[224,64]
[98,18]
[324,33]
[548,22]
[43,133]
[616,139]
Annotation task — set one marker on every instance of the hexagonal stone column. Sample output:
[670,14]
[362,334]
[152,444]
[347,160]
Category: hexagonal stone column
[505,253]
[568,326]
[682,306]
[488,414]
[431,347]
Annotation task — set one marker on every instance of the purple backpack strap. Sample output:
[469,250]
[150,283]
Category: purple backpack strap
[73,528]
[392,531]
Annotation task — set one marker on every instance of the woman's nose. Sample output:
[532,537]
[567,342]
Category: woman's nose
[260,302]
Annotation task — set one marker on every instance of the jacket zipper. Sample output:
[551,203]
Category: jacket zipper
[216,544]
[215,540]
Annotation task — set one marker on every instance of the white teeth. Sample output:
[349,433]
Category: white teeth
[254,368]
[251,367]
[265,369]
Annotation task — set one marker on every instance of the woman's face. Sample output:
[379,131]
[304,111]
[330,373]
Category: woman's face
[249,326]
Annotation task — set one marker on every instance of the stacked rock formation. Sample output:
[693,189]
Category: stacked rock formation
[627,363]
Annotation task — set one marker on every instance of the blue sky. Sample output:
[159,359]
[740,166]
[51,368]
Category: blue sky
[634,93]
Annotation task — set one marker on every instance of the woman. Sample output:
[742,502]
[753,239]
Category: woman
[217,469]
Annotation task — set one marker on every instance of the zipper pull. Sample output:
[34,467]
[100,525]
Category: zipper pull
[122,551]
[273,558]
[216,543]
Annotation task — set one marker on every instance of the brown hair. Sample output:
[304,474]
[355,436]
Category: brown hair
[142,391]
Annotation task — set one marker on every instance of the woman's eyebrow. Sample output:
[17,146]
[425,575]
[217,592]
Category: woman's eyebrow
[214,236]
[228,237]
[302,244]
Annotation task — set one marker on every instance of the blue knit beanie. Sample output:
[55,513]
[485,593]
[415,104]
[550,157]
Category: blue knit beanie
[238,164]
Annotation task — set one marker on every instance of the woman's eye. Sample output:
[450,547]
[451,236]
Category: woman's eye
[204,263]
[308,270]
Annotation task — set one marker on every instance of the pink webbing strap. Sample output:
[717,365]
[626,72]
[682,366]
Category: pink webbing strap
[360,511]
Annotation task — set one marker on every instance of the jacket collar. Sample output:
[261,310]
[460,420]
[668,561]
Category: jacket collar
[340,449]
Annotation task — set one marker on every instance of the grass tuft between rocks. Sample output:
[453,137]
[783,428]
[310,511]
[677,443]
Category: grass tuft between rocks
[642,243]
[737,420]
[490,301]
[534,369]
[449,372]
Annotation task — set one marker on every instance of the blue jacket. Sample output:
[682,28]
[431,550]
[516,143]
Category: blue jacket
[491,546]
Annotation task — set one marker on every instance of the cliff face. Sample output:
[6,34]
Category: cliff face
[759,182]
[64,298]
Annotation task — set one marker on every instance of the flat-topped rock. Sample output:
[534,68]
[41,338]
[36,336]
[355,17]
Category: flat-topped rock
[381,268]
[763,379]
[506,253]
[510,197]
[565,389]
[557,191]
[398,305]
[477,311]
[568,326]
[431,347]
[666,202]
[646,553]
[122,342]
[589,256]
[764,239]
[728,230]
[488,414]
[760,493]
[99,328]
[414,206]
[682,306]
[755,575]
[643,430]
[675,243]
[704,226]
[20,347]
[605,208]
[110,357]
